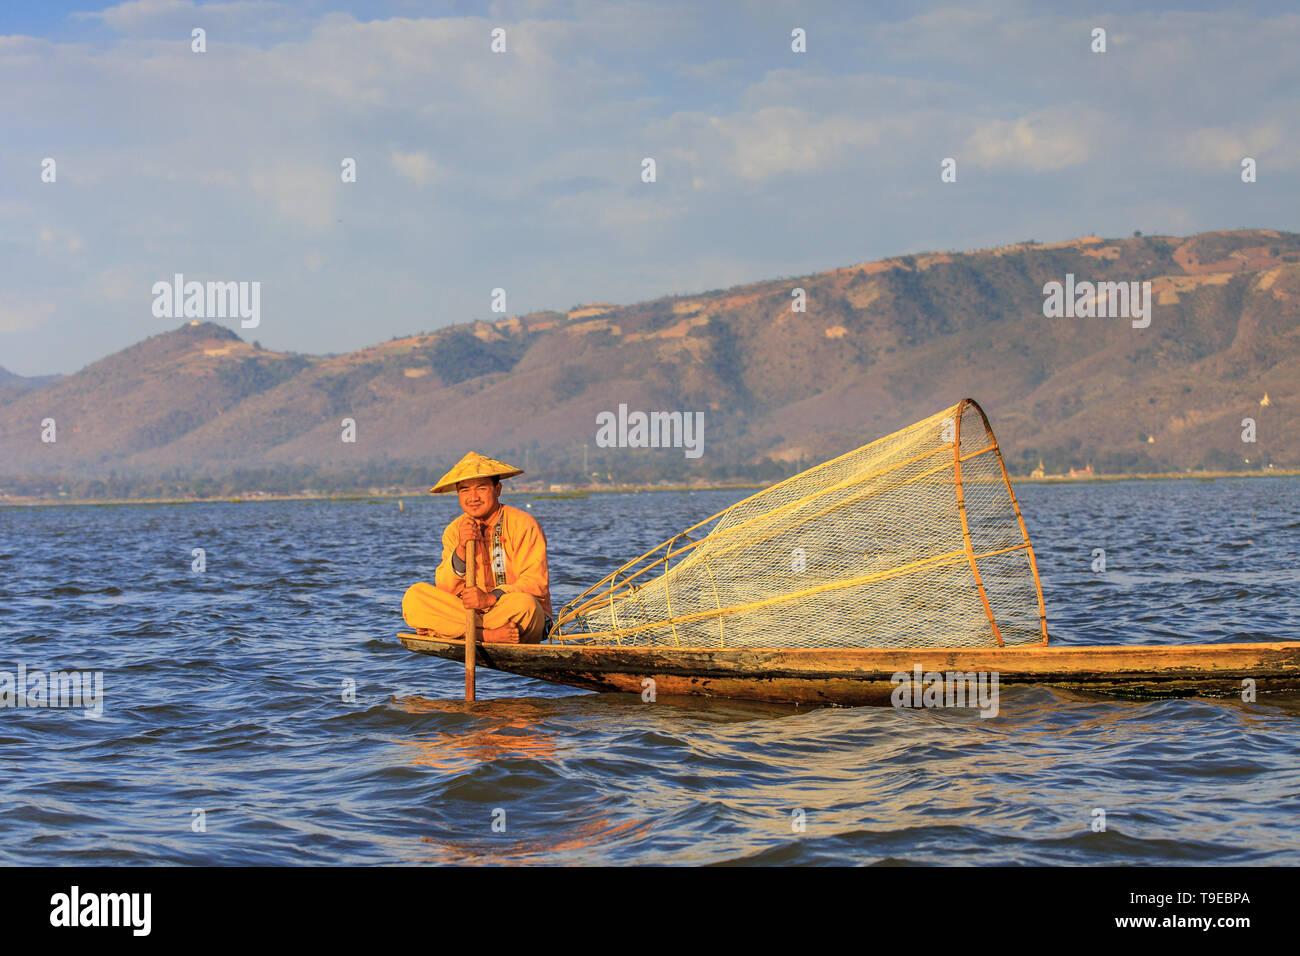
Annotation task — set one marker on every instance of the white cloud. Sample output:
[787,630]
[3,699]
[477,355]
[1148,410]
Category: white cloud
[136,14]
[178,17]
[22,314]
[1040,142]
[771,142]
[300,193]
[48,237]
[416,166]
[119,285]
[1222,148]
[707,72]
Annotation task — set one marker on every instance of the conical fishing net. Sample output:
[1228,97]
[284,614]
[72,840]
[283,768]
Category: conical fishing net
[915,540]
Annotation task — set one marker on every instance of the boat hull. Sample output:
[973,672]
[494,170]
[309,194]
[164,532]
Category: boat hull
[861,676]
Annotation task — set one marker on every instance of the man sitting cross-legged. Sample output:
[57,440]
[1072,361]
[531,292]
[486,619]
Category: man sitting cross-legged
[512,582]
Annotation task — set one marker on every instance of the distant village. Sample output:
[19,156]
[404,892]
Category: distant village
[1249,468]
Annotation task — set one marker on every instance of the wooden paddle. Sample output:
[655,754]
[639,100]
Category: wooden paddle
[471,622]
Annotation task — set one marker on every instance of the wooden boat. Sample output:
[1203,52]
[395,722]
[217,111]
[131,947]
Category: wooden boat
[915,538]
[857,676]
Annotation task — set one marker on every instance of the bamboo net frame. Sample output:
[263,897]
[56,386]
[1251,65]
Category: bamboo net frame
[913,540]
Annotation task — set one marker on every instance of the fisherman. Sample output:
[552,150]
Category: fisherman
[512,584]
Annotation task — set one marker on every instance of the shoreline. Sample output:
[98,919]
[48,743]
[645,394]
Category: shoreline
[254,497]
[1156,476]
[417,494]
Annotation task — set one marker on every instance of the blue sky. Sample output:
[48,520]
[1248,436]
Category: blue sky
[521,170]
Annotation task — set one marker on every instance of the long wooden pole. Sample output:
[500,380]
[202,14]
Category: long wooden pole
[471,622]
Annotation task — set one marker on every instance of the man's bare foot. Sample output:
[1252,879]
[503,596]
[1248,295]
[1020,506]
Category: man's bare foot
[502,635]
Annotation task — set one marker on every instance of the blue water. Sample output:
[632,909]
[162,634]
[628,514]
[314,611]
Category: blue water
[225,737]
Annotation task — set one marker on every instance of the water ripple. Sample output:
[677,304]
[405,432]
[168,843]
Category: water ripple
[261,712]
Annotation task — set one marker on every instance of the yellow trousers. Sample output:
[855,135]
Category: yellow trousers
[442,613]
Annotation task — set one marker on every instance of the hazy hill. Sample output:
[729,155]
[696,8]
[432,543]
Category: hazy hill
[881,344]
[13,385]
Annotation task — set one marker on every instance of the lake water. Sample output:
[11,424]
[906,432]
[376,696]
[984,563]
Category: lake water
[225,738]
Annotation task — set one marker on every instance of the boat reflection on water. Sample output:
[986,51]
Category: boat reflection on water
[505,730]
[500,729]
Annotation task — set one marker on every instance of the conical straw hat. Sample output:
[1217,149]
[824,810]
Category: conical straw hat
[474,465]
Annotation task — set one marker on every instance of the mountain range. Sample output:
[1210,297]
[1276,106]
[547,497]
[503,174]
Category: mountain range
[879,345]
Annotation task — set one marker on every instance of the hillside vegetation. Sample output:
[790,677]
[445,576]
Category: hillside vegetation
[880,345]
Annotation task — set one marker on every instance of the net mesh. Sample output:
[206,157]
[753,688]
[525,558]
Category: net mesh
[914,540]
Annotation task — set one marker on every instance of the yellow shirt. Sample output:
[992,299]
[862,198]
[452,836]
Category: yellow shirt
[524,545]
